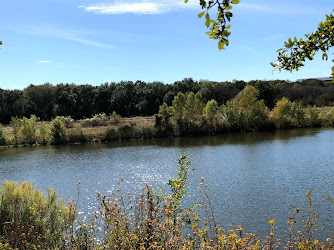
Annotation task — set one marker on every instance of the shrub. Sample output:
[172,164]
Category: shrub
[58,132]
[43,133]
[33,220]
[28,130]
[67,120]
[2,136]
[115,118]
[312,115]
[97,120]
[16,125]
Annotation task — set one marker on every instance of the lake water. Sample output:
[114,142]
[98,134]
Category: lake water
[254,177]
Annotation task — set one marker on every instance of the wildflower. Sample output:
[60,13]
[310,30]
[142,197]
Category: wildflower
[272,222]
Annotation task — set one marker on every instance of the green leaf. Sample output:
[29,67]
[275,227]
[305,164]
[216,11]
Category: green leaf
[186,1]
[220,45]
[235,1]
[201,14]
[228,7]
[324,56]
[228,26]
[207,22]
[273,64]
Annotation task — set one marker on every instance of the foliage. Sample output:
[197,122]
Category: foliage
[28,130]
[16,125]
[295,51]
[281,113]
[43,133]
[210,109]
[68,121]
[245,111]
[31,219]
[219,29]
[58,131]
[97,120]
[115,118]
[312,115]
[132,99]
[179,105]
[2,136]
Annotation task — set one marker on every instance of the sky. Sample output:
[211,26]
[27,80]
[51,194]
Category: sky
[98,41]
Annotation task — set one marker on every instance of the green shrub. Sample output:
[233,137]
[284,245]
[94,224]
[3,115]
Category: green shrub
[33,220]
[97,120]
[28,130]
[312,115]
[2,136]
[115,118]
[67,120]
[43,133]
[16,125]
[58,132]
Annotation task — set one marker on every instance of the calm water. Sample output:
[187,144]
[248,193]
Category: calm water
[254,177]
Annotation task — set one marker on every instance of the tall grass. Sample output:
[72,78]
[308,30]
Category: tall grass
[33,220]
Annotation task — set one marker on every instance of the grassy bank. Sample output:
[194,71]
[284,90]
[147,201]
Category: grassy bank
[103,128]
[156,219]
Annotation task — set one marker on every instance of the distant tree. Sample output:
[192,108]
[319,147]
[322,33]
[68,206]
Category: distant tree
[281,113]
[245,111]
[178,106]
[210,109]
[198,106]
[190,106]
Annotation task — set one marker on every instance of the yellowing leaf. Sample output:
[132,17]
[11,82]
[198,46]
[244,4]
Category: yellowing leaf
[201,14]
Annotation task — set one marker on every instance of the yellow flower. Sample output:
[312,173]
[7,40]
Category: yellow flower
[272,222]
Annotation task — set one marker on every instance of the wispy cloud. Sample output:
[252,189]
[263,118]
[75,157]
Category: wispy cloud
[73,37]
[139,7]
[67,34]
[45,61]
[281,9]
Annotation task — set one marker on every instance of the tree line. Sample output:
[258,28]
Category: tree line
[139,98]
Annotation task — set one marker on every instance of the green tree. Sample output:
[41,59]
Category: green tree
[198,104]
[245,111]
[28,130]
[16,125]
[178,105]
[219,29]
[294,53]
[210,109]
[281,113]
[58,131]
[190,106]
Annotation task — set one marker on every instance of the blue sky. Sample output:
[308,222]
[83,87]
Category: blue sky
[97,41]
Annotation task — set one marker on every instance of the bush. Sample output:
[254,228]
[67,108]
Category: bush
[16,125]
[2,136]
[67,120]
[97,120]
[43,133]
[28,130]
[33,220]
[58,131]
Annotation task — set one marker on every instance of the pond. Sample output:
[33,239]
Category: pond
[253,177]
